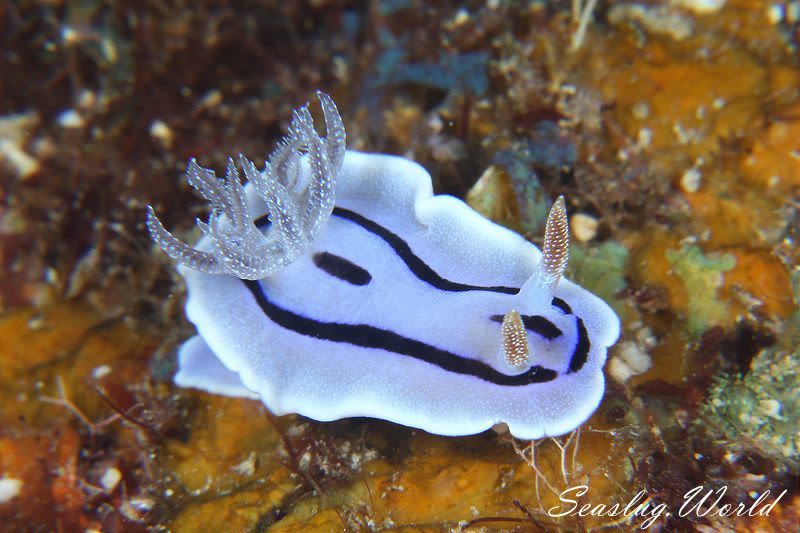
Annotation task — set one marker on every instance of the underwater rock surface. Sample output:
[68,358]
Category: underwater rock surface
[671,126]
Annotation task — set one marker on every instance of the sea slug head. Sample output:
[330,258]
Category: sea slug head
[536,298]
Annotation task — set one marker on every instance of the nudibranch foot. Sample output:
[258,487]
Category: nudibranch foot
[199,368]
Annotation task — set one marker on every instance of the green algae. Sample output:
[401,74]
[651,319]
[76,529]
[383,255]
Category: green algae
[761,411]
[601,270]
[702,276]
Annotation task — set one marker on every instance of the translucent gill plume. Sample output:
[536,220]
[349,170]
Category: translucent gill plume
[297,208]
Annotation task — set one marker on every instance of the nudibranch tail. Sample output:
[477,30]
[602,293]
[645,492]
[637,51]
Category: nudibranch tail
[297,208]
[515,341]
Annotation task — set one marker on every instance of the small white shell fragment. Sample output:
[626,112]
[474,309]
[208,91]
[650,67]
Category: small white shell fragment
[23,164]
[10,488]
[70,119]
[210,100]
[110,478]
[247,467]
[584,227]
[87,99]
[15,132]
[630,360]
[657,19]
[641,110]
[701,7]
[461,17]
[690,180]
[160,131]
[775,13]
[69,35]
[101,371]
[644,138]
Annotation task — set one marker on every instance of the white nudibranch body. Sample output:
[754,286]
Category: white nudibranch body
[336,284]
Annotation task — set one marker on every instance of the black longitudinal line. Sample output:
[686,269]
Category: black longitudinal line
[561,304]
[581,351]
[417,266]
[425,273]
[538,324]
[366,336]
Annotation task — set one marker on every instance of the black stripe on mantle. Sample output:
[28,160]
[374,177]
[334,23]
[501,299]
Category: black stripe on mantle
[425,273]
[341,268]
[366,336]
[417,266]
[581,351]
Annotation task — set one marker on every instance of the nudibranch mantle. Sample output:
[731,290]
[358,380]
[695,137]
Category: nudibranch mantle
[401,305]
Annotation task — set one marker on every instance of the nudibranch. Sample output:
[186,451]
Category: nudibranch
[335,284]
